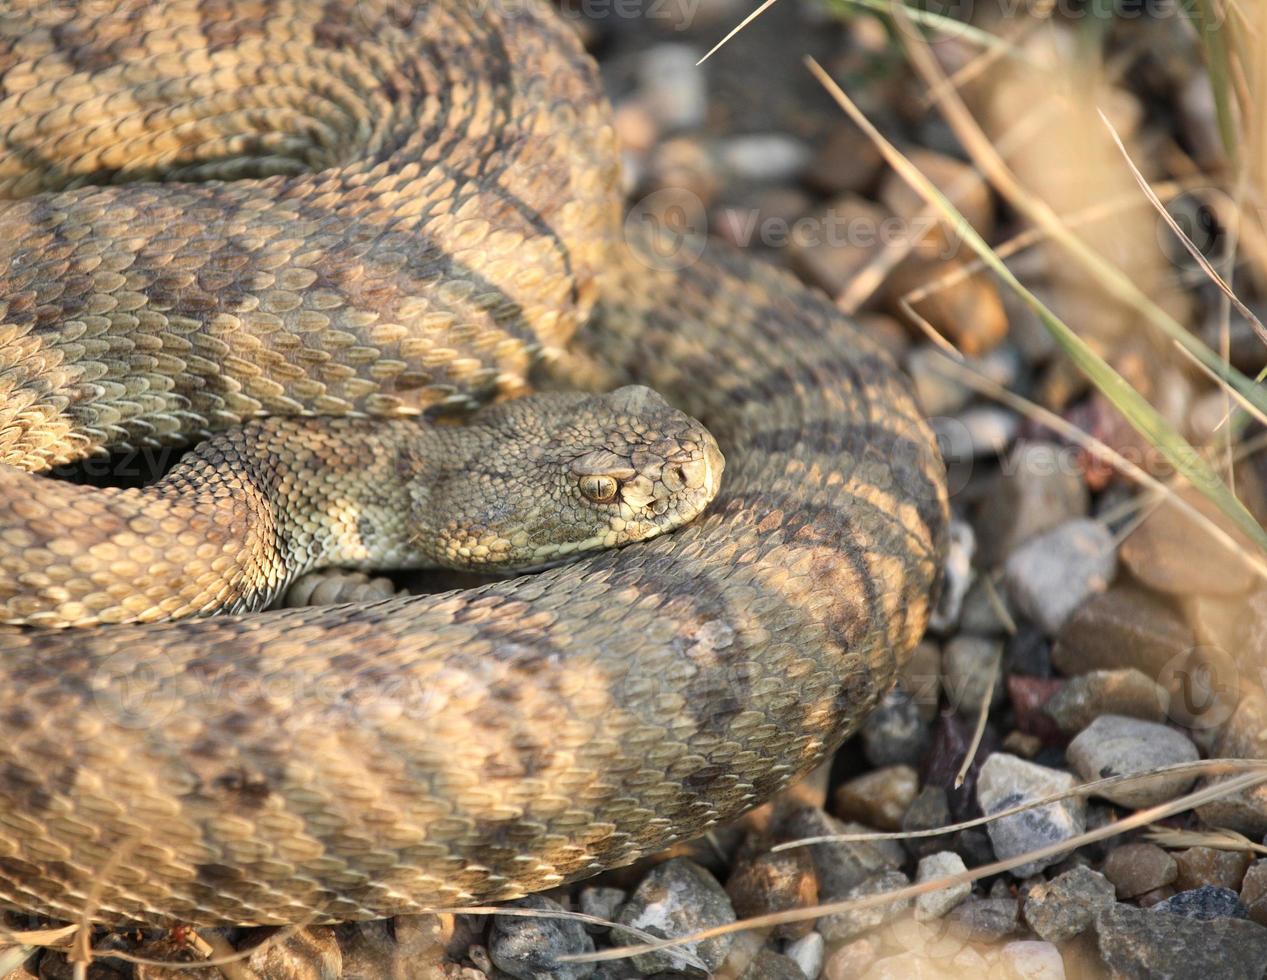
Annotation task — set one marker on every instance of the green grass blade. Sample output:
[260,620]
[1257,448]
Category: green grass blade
[930,19]
[1211,29]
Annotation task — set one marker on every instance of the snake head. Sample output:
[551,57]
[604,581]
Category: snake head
[553,475]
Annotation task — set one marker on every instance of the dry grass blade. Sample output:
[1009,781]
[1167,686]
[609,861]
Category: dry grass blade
[1133,822]
[766,5]
[13,958]
[1133,406]
[686,956]
[231,962]
[60,936]
[983,714]
[1187,242]
[1219,840]
[213,946]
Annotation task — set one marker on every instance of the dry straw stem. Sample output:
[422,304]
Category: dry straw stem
[1133,822]
[229,961]
[1187,242]
[983,713]
[1134,407]
[1219,840]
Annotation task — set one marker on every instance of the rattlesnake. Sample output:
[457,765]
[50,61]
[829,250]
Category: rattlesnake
[224,209]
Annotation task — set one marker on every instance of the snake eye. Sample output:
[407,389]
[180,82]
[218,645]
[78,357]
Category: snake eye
[600,489]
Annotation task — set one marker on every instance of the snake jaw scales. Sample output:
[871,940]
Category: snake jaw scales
[460,219]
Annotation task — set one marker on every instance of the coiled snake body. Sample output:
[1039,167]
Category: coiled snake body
[374,208]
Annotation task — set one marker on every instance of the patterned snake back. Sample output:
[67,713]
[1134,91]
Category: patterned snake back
[217,209]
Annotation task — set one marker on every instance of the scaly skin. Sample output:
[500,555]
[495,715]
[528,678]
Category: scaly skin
[249,511]
[357,761]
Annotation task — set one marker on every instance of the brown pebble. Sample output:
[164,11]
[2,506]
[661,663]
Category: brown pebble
[1209,866]
[1149,899]
[852,231]
[878,798]
[763,882]
[1020,743]
[1126,692]
[1254,891]
[1029,695]
[1126,626]
[846,162]
[1173,553]
[1139,868]
[966,311]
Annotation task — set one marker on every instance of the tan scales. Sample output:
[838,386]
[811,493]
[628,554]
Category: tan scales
[370,209]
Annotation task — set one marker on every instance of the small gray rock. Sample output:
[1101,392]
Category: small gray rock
[1060,909]
[1006,781]
[1114,745]
[764,157]
[1127,692]
[601,902]
[529,948]
[1040,488]
[807,953]
[844,926]
[673,87]
[929,810]
[986,611]
[676,898]
[851,960]
[936,904]
[984,920]
[1051,575]
[1032,960]
[309,954]
[769,965]
[895,733]
[1254,891]
[956,576]
[403,945]
[1146,943]
[969,663]
[936,390]
[985,431]
[841,867]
